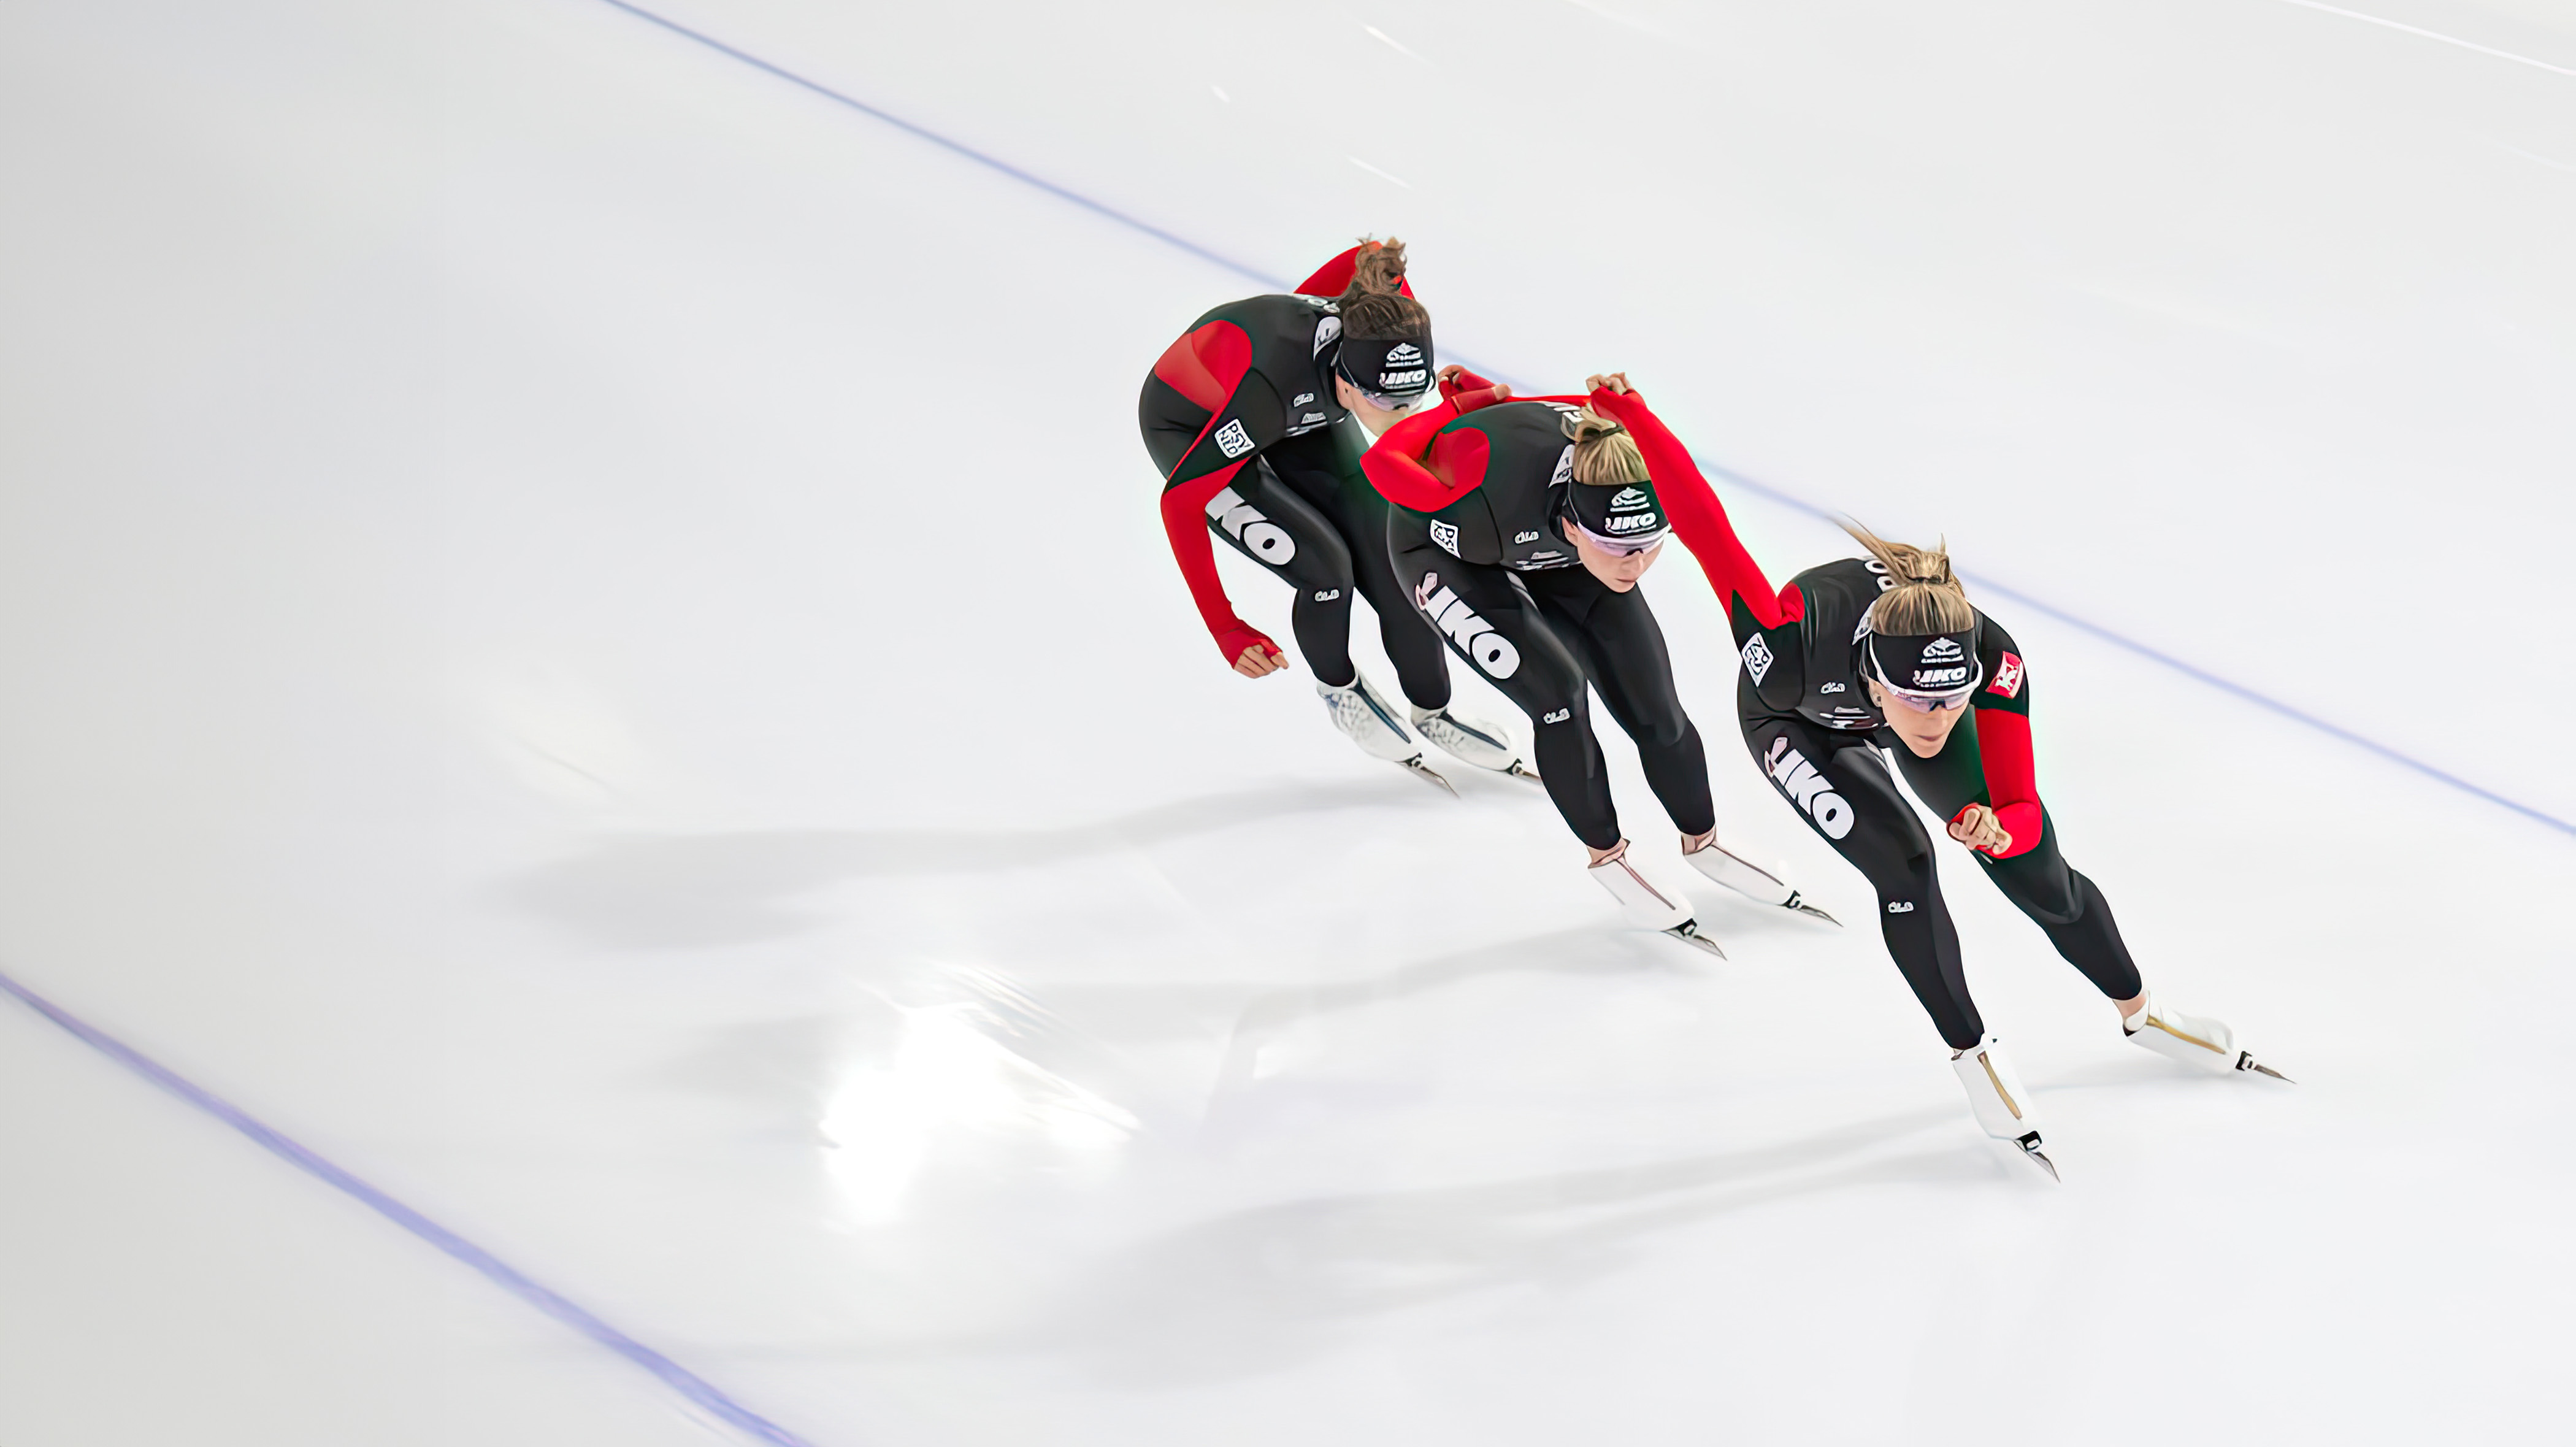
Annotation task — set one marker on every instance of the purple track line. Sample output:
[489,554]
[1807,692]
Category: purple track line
[2143,650]
[500,1273]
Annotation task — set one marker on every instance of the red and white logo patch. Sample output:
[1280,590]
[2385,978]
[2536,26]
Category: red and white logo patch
[2007,676]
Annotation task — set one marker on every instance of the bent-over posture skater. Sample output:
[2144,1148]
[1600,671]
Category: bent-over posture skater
[1520,530]
[1257,418]
[1886,653]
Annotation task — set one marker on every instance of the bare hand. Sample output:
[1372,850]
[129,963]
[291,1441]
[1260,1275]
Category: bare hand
[1615,381]
[1978,828]
[1258,660]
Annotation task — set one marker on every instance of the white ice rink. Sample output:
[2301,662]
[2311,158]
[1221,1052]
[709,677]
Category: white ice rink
[583,631]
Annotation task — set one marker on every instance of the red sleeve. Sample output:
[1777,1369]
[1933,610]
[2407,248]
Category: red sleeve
[2012,781]
[1698,516]
[1334,277]
[1185,523]
[1395,468]
[1464,382]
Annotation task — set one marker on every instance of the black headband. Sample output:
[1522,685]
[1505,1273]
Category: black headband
[1924,663]
[1617,513]
[1398,367]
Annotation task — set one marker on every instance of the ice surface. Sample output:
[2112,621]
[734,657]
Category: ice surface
[584,630]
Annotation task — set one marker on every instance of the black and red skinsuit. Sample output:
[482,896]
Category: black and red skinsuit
[1477,487]
[1240,416]
[1808,719]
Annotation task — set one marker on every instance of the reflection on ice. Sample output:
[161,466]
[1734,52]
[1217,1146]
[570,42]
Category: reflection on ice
[952,1075]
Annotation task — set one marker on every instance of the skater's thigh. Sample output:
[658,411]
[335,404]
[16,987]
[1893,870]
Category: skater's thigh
[2038,880]
[1283,532]
[1496,629]
[1632,668]
[1362,517]
[1836,783]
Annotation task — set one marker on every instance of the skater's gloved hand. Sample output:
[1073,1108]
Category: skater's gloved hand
[1251,651]
[1978,828]
[1469,391]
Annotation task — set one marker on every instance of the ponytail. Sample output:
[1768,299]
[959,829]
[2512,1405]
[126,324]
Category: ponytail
[1374,307]
[1923,594]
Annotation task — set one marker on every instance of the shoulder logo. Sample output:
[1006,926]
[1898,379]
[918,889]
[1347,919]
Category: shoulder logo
[1446,535]
[1943,650]
[1301,399]
[1627,499]
[1525,537]
[1564,468]
[1328,330]
[1757,658]
[2007,677]
[1232,440]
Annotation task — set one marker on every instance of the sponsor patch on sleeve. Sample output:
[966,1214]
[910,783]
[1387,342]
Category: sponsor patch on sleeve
[2007,676]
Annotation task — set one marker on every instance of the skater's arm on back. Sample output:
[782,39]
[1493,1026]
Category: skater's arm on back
[1697,515]
[1397,468]
[1246,648]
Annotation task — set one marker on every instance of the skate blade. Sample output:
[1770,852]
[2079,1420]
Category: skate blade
[1688,933]
[1519,770]
[2246,1061]
[2031,1152]
[1802,907]
[1429,775]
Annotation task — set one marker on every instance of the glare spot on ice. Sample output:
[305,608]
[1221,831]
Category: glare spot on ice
[949,1075]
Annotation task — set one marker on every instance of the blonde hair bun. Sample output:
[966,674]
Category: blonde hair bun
[1924,593]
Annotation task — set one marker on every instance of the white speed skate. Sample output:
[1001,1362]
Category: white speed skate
[2195,1040]
[1360,712]
[1483,745]
[1748,879]
[1995,1093]
[1647,906]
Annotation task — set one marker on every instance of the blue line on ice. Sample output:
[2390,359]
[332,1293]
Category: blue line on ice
[509,1278]
[1748,484]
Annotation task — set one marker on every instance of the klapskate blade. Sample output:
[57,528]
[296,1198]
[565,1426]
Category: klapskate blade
[1690,936]
[1429,775]
[2040,1158]
[1818,913]
[1519,770]
[2268,1070]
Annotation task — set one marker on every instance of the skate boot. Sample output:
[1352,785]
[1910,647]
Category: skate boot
[1360,712]
[2195,1040]
[2002,1106]
[1646,906]
[1483,745]
[1745,878]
